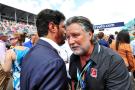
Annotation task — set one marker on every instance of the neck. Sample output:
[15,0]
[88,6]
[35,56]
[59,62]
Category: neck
[33,42]
[85,58]
[52,37]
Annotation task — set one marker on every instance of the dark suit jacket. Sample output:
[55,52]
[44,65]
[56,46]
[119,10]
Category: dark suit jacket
[43,69]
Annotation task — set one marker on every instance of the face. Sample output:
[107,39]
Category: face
[61,34]
[13,41]
[78,39]
[34,38]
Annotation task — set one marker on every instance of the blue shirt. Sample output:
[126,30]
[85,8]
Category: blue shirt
[103,42]
[28,44]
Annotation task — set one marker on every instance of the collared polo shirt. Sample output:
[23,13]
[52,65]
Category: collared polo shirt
[108,71]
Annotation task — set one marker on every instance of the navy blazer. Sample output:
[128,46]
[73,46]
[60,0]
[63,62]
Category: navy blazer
[43,69]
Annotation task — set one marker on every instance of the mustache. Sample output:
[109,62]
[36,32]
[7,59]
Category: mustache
[73,46]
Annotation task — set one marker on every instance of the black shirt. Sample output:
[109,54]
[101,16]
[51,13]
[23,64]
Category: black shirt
[108,72]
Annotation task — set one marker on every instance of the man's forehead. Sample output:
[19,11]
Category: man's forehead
[62,23]
[74,26]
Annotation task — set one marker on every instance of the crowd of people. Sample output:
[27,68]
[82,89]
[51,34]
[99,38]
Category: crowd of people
[56,55]
[9,25]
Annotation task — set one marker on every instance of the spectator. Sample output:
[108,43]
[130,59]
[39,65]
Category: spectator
[92,66]
[4,77]
[14,58]
[116,33]
[3,39]
[33,39]
[110,39]
[101,40]
[43,68]
[122,46]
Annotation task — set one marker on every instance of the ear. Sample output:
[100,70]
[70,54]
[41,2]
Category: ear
[90,35]
[52,27]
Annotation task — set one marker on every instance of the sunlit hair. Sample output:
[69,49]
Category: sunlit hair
[20,37]
[82,21]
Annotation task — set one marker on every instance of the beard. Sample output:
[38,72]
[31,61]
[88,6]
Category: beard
[80,50]
[62,40]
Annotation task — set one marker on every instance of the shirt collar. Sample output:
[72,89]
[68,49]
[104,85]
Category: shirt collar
[51,42]
[95,54]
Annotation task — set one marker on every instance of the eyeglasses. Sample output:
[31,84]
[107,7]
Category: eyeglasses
[13,38]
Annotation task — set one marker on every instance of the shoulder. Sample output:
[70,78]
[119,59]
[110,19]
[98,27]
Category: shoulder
[74,58]
[27,43]
[21,48]
[40,54]
[126,47]
[110,56]
[116,62]
[34,63]
[107,51]
[113,60]
[11,53]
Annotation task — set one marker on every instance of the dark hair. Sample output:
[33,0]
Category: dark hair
[116,32]
[22,37]
[83,21]
[122,37]
[45,17]
[100,35]
[111,37]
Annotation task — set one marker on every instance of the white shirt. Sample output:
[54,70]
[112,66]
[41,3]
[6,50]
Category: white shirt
[68,51]
[55,45]
[2,51]
[64,54]
[26,40]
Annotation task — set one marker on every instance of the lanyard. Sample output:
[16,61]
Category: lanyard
[80,76]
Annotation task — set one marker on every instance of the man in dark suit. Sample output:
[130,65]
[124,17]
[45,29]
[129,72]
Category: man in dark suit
[43,68]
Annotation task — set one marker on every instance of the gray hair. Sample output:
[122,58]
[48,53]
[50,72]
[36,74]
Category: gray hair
[82,21]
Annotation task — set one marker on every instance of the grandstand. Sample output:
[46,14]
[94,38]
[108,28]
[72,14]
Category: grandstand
[13,19]
[11,13]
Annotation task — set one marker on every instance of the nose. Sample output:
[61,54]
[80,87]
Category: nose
[71,40]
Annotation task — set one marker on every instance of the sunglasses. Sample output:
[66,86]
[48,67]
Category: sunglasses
[13,38]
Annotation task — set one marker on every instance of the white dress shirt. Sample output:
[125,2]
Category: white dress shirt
[55,45]
[64,51]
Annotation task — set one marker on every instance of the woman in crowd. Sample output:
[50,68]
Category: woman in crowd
[110,39]
[14,58]
[122,46]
